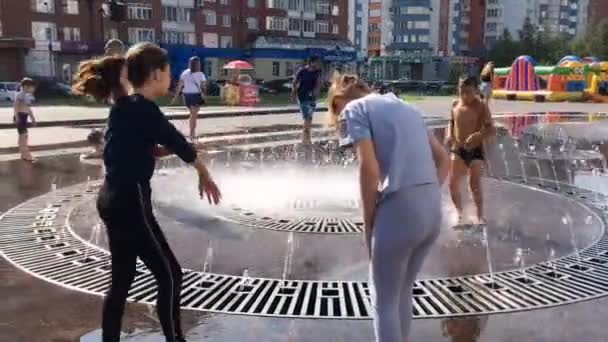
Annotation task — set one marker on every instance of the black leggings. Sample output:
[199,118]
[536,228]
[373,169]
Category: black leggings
[133,232]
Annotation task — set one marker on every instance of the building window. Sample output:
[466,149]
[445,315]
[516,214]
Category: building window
[209,17]
[278,4]
[137,35]
[210,40]
[421,24]
[310,6]
[415,10]
[141,11]
[288,69]
[491,27]
[375,13]
[335,29]
[208,68]
[294,5]
[43,6]
[176,37]
[295,25]
[252,23]
[226,41]
[494,13]
[335,10]
[223,2]
[44,31]
[178,14]
[71,34]
[111,34]
[69,6]
[323,7]
[423,38]
[276,69]
[276,23]
[309,26]
[322,27]
[251,3]
[226,19]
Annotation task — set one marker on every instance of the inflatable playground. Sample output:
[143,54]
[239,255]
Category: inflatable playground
[572,79]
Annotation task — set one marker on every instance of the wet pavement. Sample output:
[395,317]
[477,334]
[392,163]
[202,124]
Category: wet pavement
[38,311]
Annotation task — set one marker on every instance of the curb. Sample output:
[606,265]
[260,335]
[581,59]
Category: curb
[207,115]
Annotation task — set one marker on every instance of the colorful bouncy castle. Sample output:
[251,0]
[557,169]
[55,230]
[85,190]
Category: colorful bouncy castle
[572,79]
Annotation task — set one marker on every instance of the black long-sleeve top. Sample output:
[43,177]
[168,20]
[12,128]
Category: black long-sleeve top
[135,127]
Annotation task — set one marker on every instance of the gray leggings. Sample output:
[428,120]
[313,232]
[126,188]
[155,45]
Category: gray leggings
[407,223]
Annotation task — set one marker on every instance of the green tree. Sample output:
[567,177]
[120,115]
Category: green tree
[528,38]
[505,50]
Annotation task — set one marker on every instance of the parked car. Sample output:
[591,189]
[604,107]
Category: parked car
[8,90]
[282,85]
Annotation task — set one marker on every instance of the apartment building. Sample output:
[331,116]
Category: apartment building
[568,17]
[48,38]
[358,24]
[596,10]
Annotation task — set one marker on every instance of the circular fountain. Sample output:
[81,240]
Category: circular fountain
[286,242]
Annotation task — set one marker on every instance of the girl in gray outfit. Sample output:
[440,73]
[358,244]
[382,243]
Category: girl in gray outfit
[401,168]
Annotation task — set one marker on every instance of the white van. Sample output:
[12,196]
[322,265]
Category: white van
[8,90]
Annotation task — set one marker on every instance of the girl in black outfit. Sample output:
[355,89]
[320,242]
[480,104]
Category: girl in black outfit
[136,128]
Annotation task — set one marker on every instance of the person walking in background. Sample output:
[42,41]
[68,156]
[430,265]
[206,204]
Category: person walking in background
[306,86]
[192,83]
[487,79]
[23,111]
[401,168]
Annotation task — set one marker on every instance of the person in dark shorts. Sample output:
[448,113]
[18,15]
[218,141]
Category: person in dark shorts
[306,86]
[192,84]
[470,125]
[23,111]
[136,126]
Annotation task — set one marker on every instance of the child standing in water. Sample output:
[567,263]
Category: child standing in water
[400,163]
[22,112]
[470,125]
[136,127]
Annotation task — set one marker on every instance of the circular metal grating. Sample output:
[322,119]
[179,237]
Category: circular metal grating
[36,237]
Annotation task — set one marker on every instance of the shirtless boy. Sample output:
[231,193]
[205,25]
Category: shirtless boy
[470,125]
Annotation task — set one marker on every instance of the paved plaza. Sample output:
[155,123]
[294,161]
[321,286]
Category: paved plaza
[53,278]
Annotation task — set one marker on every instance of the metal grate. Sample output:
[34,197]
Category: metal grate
[295,223]
[36,237]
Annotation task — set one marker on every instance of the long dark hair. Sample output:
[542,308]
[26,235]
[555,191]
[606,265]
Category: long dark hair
[100,78]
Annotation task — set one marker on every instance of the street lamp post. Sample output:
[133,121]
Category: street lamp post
[49,36]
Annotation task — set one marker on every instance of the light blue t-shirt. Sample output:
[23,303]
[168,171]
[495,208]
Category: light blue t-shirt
[400,136]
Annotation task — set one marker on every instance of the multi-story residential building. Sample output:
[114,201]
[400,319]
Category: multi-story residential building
[468,26]
[48,38]
[358,24]
[567,17]
[405,35]
[596,11]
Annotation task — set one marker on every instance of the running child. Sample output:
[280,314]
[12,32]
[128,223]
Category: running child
[136,126]
[470,125]
[22,112]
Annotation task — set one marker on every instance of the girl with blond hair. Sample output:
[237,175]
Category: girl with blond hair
[487,77]
[401,168]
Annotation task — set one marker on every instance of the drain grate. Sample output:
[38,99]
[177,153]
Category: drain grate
[35,238]
[341,218]
[313,224]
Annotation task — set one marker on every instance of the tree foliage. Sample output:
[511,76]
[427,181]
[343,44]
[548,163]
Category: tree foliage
[548,48]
